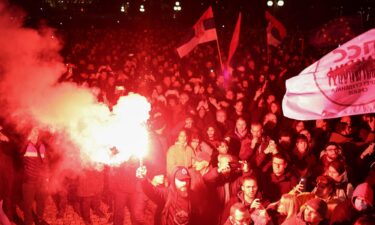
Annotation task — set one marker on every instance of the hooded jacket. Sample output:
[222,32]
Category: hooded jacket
[346,213]
[177,210]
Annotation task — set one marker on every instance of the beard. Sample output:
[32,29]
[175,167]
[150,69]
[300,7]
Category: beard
[183,192]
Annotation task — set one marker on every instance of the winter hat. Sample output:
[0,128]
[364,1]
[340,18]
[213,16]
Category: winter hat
[182,174]
[319,206]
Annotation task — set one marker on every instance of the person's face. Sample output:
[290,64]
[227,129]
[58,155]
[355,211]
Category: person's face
[346,119]
[34,136]
[221,116]
[167,81]
[261,102]
[172,102]
[229,95]
[274,107]
[250,188]
[240,218]
[360,204]
[271,98]
[320,124]
[210,132]
[278,166]
[256,131]
[245,84]
[182,185]
[201,112]
[189,123]
[210,90]
[300,126]
[310,215]
[202,90]
[323,191]
[240,125]
[301,146]
[194,143]
[159,89]
[332,152]
[334,174]
[262,78]
[184,98]
[222,148]
[271,118]
[182,137]
[238,106]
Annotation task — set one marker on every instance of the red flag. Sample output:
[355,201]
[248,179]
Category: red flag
[235,39]
[339,84]
[276,31]
[203,31]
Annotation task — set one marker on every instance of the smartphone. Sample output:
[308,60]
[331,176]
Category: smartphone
[302,181]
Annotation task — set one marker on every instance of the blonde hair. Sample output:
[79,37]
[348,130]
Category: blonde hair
[290,204]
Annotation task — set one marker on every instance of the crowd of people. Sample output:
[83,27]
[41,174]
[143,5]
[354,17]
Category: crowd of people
[222,151]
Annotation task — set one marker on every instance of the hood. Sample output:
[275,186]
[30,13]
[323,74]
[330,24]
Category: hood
[173,175]
[365,191]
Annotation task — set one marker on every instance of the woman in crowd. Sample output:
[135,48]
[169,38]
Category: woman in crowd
[337,171]
[285,208]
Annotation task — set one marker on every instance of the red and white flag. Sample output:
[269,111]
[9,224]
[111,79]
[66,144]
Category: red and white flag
[235,39]
[276,31]
[203,31]
[339,84]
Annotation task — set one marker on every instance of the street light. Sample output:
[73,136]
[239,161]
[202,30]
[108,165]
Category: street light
[177,6]
[280,3]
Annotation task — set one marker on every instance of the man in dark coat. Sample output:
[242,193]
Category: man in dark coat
[175,199]
[280,180]
[251,197]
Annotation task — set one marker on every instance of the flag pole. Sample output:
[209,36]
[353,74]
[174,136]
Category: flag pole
[218,50]
[267,49]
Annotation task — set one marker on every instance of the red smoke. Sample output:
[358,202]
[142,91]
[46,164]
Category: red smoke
[30,95]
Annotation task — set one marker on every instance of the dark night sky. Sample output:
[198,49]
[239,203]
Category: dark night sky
[296,14]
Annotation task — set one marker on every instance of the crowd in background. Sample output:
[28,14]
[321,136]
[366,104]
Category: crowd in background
[223,153]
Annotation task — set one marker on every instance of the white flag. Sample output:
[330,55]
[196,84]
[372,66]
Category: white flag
[339,84]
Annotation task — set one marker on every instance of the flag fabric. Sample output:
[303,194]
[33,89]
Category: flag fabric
[235,39]
[276,31]
[203,31]
[341,83]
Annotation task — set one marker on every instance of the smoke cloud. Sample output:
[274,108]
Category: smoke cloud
[31,96]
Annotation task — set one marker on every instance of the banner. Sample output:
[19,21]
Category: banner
[203,31]
[341,83]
